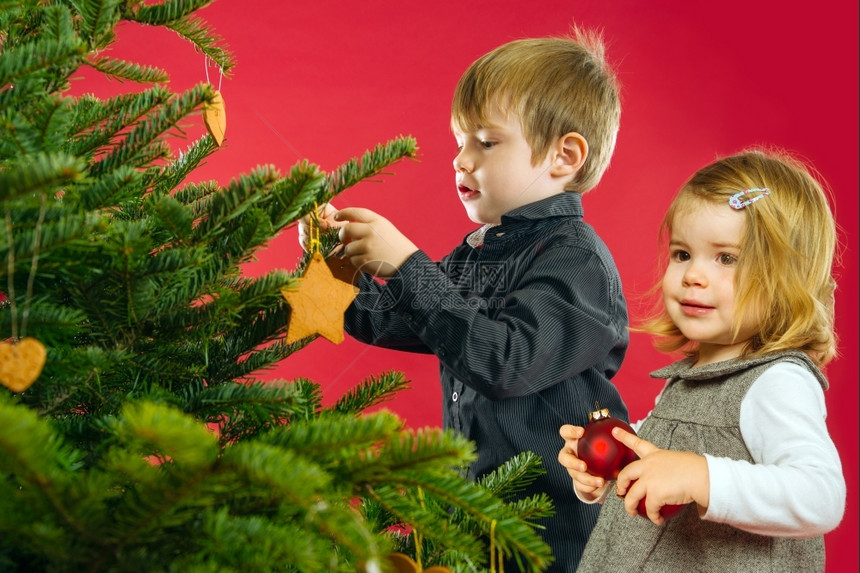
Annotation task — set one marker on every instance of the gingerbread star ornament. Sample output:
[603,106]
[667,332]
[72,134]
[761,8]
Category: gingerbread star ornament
[318,304]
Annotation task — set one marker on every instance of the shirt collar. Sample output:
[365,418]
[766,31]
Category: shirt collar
[565,204]
[683,369]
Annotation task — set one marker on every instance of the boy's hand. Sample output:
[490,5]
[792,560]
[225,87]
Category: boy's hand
[326,222]
[371,242]
[589,487]
[662,477]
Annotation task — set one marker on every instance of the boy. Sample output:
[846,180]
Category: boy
[526,316]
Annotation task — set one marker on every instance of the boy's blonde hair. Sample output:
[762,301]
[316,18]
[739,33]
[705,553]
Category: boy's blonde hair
[555,86]
[786,253]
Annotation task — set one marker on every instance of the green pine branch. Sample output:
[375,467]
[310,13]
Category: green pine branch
[163,12]
[199,33]
[168,178]
[37,173]
[177,16]
[25,69]
[99,123]
[371,392]
[122,70]
[97,20]
[39,129]
[372,163]
[147,441]
[132,150]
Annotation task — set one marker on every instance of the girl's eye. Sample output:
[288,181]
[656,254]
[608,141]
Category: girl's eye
[727,259]
[487,144]
[679,256]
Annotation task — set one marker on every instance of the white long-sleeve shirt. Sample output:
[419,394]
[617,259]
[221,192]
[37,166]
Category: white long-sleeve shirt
[796,487]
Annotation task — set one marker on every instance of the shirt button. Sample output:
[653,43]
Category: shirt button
[407,317]
[440,353]
[455,396]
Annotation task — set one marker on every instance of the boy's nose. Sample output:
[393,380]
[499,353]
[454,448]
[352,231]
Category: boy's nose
[461,164]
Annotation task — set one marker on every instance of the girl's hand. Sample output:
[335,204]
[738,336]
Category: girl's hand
[662,477]
[325,216]
[371,242]
[588,487]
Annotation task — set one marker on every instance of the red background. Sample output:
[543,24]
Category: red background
[325,81]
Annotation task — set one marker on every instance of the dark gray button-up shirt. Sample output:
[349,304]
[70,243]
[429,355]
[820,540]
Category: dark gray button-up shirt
[528,328]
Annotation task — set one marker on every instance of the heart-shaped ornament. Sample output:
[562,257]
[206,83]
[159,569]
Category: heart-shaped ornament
[21,363]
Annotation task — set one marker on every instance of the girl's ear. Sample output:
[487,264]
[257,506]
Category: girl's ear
[569,153]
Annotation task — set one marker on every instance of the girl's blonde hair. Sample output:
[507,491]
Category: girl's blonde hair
[555,86]
[784,274]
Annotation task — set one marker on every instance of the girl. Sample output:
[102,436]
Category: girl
[737,434]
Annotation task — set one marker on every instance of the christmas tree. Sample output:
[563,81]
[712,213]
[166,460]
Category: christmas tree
[135,435]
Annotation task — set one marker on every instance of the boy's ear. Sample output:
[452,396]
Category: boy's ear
[569,153]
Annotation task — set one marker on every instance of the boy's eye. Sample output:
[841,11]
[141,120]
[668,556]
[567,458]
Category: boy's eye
[487,144]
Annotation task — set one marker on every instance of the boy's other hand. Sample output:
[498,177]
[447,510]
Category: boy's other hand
[589,487]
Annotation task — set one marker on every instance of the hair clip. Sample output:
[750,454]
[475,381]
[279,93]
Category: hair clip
[735,200]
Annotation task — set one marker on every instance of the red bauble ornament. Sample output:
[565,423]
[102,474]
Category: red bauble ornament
[606,457]
[667,511]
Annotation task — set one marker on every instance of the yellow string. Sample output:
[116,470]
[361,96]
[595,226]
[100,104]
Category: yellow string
[10,271]
[493,546]
[314,244]
[418,537]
